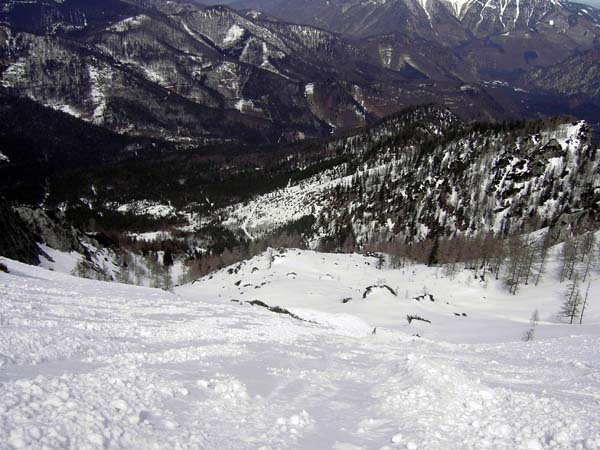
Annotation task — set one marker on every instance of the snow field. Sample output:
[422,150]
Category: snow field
[86,364]
[352,295]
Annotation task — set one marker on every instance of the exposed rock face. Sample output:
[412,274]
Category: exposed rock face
[23,228]
[569,223]
[16,240]
[26,232]
[52,229]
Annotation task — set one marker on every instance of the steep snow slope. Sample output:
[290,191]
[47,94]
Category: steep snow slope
[85,364]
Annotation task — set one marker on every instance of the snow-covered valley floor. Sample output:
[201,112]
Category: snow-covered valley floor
[86,364]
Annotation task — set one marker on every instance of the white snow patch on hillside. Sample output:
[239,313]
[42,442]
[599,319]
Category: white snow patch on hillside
[282,206]
[243,105]
[458,6]
[67,109]
[147,207]
[86,364]
[309,90]
[128,24]
[100,80]
[233,35]
[155,74]
[567,135]
[59,261]
[15,73]
[423,4]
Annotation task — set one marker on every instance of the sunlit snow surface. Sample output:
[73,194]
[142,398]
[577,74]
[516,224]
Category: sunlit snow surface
[85,364]
[234,34]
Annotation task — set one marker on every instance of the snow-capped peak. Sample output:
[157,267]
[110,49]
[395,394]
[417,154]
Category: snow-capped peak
[458,6]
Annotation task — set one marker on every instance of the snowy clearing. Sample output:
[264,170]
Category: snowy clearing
[145,207]
[86,364]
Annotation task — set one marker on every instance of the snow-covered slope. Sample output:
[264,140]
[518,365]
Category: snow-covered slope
[345,287]
[86,364]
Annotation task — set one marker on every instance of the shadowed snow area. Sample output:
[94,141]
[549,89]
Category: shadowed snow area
[86,364]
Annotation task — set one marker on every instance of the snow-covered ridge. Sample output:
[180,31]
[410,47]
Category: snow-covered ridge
[510,179]
[100,78]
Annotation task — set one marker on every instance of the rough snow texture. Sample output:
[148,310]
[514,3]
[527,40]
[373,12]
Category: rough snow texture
[85,364]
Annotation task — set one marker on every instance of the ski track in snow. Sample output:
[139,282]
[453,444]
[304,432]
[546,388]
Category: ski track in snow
[85,364]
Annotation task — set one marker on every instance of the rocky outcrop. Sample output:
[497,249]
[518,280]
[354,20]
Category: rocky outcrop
[16,240]
[53,230]
[22,228]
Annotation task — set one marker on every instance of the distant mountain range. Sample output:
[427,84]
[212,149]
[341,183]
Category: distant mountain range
[274,71]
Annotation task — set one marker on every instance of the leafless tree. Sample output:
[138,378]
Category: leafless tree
[588,253]
[570,308]
[544,245]
[585,300]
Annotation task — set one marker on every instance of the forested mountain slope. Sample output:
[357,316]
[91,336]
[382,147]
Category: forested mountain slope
[426,174]
[199,75]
